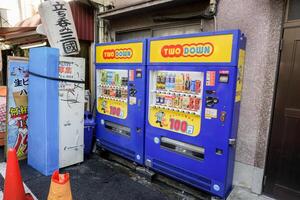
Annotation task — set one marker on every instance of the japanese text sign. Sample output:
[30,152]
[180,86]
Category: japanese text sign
[59,26]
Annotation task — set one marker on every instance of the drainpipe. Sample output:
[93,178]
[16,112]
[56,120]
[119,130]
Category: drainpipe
[100,37]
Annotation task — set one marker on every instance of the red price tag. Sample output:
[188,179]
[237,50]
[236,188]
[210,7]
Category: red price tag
[115,111]
[178,125]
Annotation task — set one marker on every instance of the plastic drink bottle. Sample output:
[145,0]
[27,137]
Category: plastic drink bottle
[163,81]
[187,84]
[198,86]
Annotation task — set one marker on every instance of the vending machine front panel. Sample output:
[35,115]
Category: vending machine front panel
[120,84]
[192,108]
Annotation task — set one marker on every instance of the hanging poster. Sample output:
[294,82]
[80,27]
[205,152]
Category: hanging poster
[17,83]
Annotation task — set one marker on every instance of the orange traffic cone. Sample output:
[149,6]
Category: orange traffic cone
[13,185]
[60,188]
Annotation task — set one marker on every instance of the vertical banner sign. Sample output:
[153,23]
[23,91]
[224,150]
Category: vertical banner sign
[58,23]
[17,83]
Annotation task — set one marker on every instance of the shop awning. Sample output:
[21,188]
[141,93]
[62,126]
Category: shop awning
[19,35]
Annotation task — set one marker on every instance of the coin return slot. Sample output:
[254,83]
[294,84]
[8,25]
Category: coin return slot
[117,128]
[219,151]
[189,150]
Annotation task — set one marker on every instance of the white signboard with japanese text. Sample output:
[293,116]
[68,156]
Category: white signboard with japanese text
[71,111]
[58,24]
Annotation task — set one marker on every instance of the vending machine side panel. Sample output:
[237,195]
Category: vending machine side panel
[237,102]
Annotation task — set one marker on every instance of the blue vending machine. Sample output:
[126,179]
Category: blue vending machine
[193,100]
[120,86]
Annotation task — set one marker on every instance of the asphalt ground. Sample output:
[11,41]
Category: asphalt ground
[98,178]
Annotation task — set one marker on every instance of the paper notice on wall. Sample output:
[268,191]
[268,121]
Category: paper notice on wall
[58,24]
[211,113]
[210,78]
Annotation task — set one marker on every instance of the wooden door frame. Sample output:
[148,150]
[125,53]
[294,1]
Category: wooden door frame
[285,25]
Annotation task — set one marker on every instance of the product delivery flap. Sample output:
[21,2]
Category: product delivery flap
[120,53]
[201,48]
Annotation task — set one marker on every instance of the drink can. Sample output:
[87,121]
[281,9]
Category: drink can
[162,99]
[158,81]
[198,86]
[180,99]
[196,103]
[169,77]
[124,81]
[192,103]
[169,100]
[124,93]
[163,81]
[175,102]
[112,92]
[193,86]
[172,97]
[187,84]
[119,93]
[117,79]
[185,102]
[157,99]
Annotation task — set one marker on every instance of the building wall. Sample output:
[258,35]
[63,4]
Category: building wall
[261,22]
[124,3]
